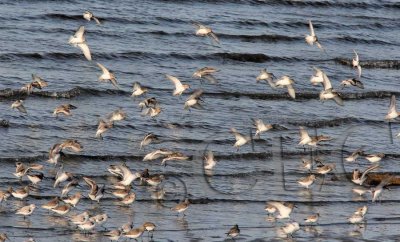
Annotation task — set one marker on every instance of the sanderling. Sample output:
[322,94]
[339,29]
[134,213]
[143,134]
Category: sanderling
[61,209]
[152,111]
[312,37]
[179,87]
[35,178]
[99,219]
[288,229]
[193,100]
[373,158]
[356,63]
[19,106]
[116,115]
[88,225]
[352,82]
[325,169]
[79,40]
[154,180]
[360,178]
[202,30]
[306,139]
[206,73]
[356,218]
[261,127]
[234,231]
[181,207]
[121,193]
[392,113]
[26,211]
[79,218]
[3,237]
[306,164]
[103,127]
[135,233]
[64,109]
[138,90]
[107,75]
[89,16]
[307,181]
[129,199]
[53,203]
[20,193]
[113,235]
[96,192]
[312,218]
[240,138]
[127,176]
[74,199]
[209,161]
[62,176]
[149,227]
[353,157]
[284,209]
[149,138]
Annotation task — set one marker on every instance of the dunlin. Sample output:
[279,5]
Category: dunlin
[113,235]
[177,156]
[135,233]
[265,76]
[352,82]
[374,158]
[61,209]
[74,199]
[79,218]
[53,203]
[288,229]
[102,128]
[353,157]
[69,186]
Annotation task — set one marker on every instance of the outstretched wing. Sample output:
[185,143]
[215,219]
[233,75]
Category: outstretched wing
[85,49]
[175,81]
[103,68]
[311,28]
[327,83]
[392,106]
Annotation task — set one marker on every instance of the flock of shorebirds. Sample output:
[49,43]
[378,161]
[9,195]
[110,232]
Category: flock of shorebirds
[122,190]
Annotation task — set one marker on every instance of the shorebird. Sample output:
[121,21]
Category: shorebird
[360,190]
[26,211]
[135,233]
[107,75]
[35,178]
[79,40]
[206,74]
[174,156]
[138,90]
[148,103]
[89,16]
[288,229]
[179,87]
[116,115]
[209,161]
[21,169]
[103,127]
[376,191]
[62,176]
[306,139]
[4,195]
[3,237]
[149,138]
[317,77]
[20,193]
[99,219]
[129,199]
[193,100]
[71,144]
[96,192]
[329,92]
[312,37]
[127,176]
[307,181]
[154,180]
[19,105]
[55,154]
[352,82]
[88,225]
[325,169]
[360,178]
[270,209]
[64,109]
[392,113]
[234,231]
[149,227]
[202,30]
[157,154]
[74,199]
[356,63]
[79,218]
[312,218]
[361,210]
[374,158]
[284,209]
[53,203]
[353,157]
[113,235]
[265,76]
[306,164]
[261,127]
[37,82]
[284,81]
[181,207]
[152,112]
[356,218]
[240,138]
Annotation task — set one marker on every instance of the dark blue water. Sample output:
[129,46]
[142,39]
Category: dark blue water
[141,41]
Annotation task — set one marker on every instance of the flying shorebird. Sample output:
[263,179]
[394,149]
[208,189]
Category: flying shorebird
[352,82]
[37,82]
[64,109]
[353,157]
[265,76]
[284,209]
[392,113]
[62,176]
[373,158]
[284,81]
[206,73]
[179,87]
[376,191]
[306,139]
[161,153]
[72,144]
[19,106]
[360,177]
[312,38]
[116,115]
[317,77]
[329,92]
[89,16]
[356,63]
[240,138]
[55,154]
[79,40]
[177,156]
[209,161]
[149,138]
[69,186]
[261,127]
[103,127]
[107,75]
[193,100]
[148,103]
[202,30]
[288,229]
[138,90]
[96,192]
